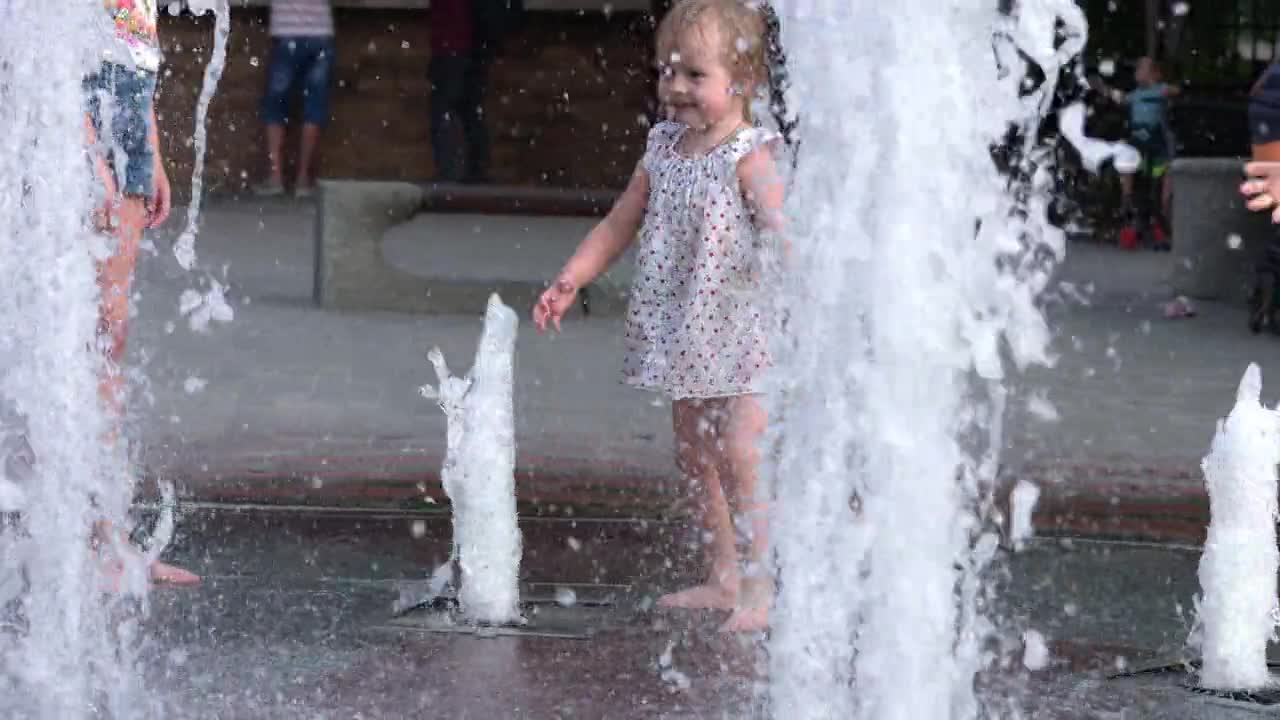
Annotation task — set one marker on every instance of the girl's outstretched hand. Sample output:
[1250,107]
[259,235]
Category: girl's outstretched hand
[553,304]
[1263,188]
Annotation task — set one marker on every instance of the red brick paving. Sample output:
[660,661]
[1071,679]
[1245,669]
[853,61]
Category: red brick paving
[1111,499]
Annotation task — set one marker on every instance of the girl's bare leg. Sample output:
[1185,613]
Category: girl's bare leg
[744,424]
[696,427]
[115,281]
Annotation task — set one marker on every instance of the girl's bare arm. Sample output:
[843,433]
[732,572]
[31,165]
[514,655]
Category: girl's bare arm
[611,236]
[764,188]
[160,203]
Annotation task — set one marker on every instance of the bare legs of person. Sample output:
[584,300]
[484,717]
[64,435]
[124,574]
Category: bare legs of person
[695,425]
[744,425]
[716,442]
[310,141]
[115,280]
[1127,183]
[307,155]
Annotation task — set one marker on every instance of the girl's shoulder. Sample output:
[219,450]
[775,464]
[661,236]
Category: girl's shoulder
[662,138]
[751,139]
[665,132]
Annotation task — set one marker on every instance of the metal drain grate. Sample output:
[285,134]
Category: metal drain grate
[1186,671]
[546,612]
[1268,696]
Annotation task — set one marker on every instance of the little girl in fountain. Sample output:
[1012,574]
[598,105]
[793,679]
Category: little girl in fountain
[705,203]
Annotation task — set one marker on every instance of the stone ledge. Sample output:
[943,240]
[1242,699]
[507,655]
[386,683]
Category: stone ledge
[1207,211]
[352,273]
[516,200]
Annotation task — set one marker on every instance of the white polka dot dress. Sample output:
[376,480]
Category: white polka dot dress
[695,325]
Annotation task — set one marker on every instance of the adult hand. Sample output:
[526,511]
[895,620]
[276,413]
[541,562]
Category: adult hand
[1263,188]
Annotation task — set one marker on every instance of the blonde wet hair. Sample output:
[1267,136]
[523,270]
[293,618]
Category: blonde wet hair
[742,31]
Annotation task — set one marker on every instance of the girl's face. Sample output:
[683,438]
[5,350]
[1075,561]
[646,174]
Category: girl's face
[695,83]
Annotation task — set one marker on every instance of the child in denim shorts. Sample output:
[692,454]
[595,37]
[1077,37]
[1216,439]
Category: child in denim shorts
[125,150]
[302,56]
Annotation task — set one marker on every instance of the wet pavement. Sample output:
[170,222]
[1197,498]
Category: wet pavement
[292,621]
[295,404]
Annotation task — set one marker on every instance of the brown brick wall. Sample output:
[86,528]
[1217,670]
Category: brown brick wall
[564,101]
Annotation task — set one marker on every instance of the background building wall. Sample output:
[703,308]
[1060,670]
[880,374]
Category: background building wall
[568,99]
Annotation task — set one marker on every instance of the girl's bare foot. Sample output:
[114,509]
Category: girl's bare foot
[112,544]
[709,596]
[166,574]
[755,595]
[747,620]
[158,573]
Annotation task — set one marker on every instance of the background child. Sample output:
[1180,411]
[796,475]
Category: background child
[303,55]
[125,147]
[1148,132]
[703,200]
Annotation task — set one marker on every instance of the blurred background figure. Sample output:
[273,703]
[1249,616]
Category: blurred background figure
[302,58]
[1149,132]
[465,37]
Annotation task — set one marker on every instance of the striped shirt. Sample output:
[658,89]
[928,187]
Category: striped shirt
[301,18]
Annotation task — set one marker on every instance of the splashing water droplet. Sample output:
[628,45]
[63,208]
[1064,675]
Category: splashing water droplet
[1041,408]
[184,248]
[1035,654]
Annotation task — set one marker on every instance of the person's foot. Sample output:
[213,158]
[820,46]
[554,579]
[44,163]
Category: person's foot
[710,596]
[273,187]
[747,620]
[302,192]
[755,595]
[165,574]
[1129,238]
[1179,307]
[158,573]
[1160,240]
